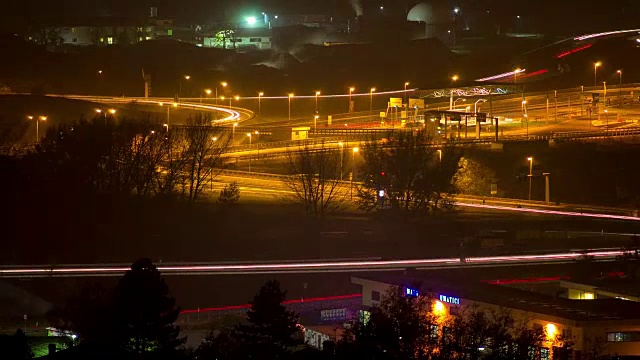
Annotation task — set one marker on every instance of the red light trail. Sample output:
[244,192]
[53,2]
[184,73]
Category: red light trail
[286,302]
[573,51]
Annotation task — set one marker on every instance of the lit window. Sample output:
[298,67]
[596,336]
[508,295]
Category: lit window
[433,332]
[545,354]
[630,336]
[109,40]
[170,32]
[148,38]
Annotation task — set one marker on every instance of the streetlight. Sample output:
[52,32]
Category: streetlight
[353,161]
[206,91]
[406,83]
[317,94]
[619,72]
[371,99]
[595,72]
[454,103]
[515,75]
[233,130]
[455,78]
[351,90]
[98,111]
[249,136]
[186,77]
[224,85]
[260,95]
[475,105]
[341,144]
[166,126]
[530,160]
[237,98]
[290,96]
[40,118]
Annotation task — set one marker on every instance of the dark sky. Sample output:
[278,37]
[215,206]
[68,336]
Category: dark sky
[197,10]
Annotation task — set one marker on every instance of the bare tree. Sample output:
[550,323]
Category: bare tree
[205,142]
[315,179]
[411,173]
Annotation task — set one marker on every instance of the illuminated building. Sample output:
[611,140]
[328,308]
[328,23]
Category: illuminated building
[613,320]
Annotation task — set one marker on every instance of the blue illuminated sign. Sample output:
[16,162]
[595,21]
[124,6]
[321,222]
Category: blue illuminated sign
[450,299]
[412,292]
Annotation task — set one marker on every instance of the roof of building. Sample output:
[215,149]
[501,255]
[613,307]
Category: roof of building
[578,310]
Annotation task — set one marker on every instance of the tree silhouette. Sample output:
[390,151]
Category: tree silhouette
[15,347]
[269,332]
[397,329]
[144,312]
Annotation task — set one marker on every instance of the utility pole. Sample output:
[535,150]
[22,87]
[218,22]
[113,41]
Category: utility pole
[547,197]
[546,119]
[555,100]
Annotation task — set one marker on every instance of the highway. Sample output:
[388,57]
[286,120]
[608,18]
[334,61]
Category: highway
[268,186]
[231,114]
[310,266]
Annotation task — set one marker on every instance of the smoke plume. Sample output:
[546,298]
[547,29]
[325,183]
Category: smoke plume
[357,7]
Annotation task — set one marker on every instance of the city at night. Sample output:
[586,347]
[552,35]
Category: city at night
[332,180]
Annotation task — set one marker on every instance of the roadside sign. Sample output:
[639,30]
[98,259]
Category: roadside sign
[383,114]
[416,103]
[595,98]
[395,102]
[481,117]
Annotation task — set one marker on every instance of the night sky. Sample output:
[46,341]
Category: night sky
[211,10]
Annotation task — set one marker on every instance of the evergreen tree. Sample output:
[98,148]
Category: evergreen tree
[269,333]
[144,312]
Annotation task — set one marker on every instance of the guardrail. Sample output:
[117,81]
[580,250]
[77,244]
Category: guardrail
[461,197]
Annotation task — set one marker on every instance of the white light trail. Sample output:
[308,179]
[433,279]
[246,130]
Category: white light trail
[617,32]
[310,266]
[510,73]
[549,212]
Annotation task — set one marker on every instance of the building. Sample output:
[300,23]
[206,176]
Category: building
[615,322]
[316,335]
[257,38]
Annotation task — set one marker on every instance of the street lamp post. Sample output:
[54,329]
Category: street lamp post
[233,131]
[341,144]
[475,105]
[439,155]
[454,78]
[317,94]
[237,97]
[186,77]
[515,75]
[206,91]
[249,135]
[260,95]
[351,90]
[406,83]
[290,96]
[38,119]
[596,65]
[454,103]
[530,159]
[371,99]
[224,85]
[620,87]
[315,123]
[353,161]
[213,139]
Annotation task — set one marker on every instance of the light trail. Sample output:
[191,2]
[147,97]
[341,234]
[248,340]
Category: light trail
[301,267]
[510,73]
[286,302]
[573,51]
[548,212]
[232,115]
[596,35]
